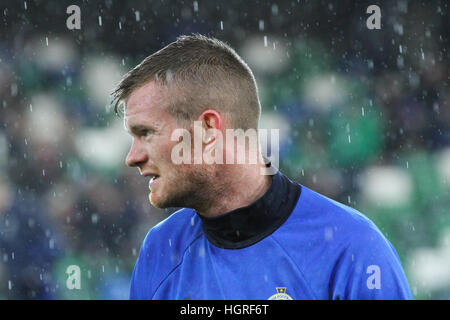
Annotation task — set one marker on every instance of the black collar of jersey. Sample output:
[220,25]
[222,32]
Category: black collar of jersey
[245,226]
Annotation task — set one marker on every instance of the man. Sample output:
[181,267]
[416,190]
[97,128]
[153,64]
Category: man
[242,234]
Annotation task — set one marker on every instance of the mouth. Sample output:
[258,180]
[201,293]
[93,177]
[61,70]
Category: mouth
[153,180]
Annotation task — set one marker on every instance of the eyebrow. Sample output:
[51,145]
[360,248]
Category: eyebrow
[139,128]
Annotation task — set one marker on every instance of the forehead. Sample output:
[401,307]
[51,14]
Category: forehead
[146,107]
[149,98]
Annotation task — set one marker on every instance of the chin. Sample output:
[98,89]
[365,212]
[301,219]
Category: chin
[156,202]
[172,200]
[159,201]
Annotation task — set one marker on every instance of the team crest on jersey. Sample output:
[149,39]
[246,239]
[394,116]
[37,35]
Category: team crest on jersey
[280,295]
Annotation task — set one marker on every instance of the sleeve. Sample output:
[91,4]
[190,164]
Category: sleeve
[369,269]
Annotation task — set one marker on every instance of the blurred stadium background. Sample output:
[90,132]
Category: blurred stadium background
[364,119]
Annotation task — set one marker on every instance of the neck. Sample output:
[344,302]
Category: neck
[238,187]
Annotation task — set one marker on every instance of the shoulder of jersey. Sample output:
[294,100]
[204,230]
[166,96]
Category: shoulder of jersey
[317,209]
[176,231]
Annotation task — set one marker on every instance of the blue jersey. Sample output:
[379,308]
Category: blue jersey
[293,243]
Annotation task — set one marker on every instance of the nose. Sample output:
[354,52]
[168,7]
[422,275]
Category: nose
[136,156]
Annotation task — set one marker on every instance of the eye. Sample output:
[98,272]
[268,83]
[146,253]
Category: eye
[146,133]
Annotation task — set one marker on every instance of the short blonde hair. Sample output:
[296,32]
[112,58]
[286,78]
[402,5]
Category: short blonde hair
[203,73]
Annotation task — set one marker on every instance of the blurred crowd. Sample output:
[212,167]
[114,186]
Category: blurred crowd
[363,117]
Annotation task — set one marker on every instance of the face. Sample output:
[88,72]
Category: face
[151,127]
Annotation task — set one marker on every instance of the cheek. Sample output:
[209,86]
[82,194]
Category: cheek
[165,153]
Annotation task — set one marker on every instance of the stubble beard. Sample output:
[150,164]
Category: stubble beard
[190,187]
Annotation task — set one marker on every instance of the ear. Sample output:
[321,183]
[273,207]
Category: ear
[211,119]
[212,123]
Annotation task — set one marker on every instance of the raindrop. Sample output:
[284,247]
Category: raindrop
[14,89]
[170,242]
[265,41]
[274,9]
[362,111]
[328,234]
[138,16]
[261,25]
[403,6]
[398,28]
[221,25]
[9,285]
[120,25]
[31,108]
[436,107]
[195,6]
[46,41]
[100,21]
[25,5]
[400,62]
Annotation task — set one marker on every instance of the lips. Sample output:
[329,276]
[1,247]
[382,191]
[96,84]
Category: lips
[153,180]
